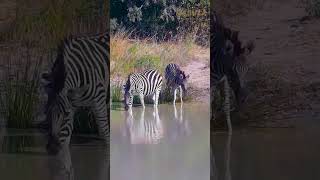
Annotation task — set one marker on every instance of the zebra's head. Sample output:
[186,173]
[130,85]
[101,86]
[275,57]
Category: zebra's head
[242,68]
[60,116]
[127,97]
[182,80]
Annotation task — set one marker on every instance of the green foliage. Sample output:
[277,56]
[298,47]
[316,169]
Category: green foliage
[313,7]
[148,62]
[150,18]
[116,92]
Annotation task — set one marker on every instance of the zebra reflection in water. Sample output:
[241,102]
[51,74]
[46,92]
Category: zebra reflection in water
[181,125]
[214,169]
[66,165]
[146,130]
[60,165]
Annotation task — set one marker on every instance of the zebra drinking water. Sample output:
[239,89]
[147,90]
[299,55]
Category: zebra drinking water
[78,78]
[143,84]
[226,67]
[176,78]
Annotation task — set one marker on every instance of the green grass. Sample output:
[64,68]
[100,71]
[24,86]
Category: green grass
[116,92]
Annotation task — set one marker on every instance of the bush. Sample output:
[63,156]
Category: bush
[161,19]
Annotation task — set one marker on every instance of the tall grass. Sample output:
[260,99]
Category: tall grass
[116,91]
[20,97]
[134,55]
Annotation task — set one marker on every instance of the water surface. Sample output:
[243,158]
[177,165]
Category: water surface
[23,156]
[168,142]
[268,154]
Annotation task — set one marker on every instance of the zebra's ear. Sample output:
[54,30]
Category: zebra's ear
[187,77]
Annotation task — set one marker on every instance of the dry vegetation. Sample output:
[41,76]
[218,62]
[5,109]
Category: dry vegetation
[135,55]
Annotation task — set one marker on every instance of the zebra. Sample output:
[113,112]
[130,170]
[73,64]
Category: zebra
[79,78]
[146,130]
[176,78]
[143,84]
[226,67]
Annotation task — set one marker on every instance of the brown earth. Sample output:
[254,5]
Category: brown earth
[199,80]
[285,70]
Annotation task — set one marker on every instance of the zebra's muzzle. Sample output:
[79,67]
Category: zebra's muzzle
[53,146]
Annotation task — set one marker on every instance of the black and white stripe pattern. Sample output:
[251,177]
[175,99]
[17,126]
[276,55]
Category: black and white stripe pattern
[146,130]
[176,78]
[79,78]
[143,84]
[228,67]
[221,64]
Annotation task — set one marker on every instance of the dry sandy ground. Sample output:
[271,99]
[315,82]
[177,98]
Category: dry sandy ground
[199,80]
[289,48]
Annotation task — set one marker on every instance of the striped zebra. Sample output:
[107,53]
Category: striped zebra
[147,130]
[226,67]
[78,78]
[143,84]
[176,78]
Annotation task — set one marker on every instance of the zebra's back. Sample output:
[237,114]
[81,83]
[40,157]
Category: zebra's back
[148,81]
[86,60]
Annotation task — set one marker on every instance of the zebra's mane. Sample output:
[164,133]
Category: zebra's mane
[127,85]
[56,78]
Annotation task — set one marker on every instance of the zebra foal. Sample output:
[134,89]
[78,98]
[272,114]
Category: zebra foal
[143,84]
[176,78]
[78,78]
[227,67]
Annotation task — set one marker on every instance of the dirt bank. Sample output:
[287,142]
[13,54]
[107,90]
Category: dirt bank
[285,77]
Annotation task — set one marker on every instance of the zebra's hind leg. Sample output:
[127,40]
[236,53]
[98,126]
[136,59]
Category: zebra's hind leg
[180,94]
[174,96]
[227,104]
[101,116]
[156,97]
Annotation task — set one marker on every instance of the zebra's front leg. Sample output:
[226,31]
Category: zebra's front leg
[156,98]
[174,96]
[142,100]
[227,105]
[181,94]
[101,116]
